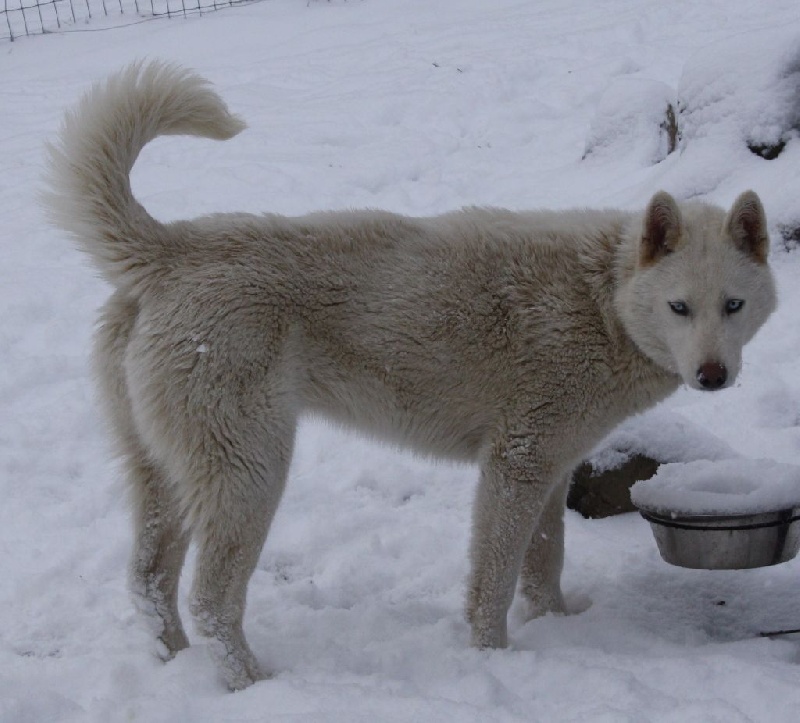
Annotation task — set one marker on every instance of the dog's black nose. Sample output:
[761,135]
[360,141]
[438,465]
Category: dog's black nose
[712,375]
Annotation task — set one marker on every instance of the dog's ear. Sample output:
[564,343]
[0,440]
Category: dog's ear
[662,230]
[747,226]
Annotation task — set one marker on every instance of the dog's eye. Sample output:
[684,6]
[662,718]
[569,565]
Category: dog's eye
[733,305]
[681,308]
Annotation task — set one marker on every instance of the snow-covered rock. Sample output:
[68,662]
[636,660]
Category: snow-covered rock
[662,435]
[635,119]
[634,451]
[744,90]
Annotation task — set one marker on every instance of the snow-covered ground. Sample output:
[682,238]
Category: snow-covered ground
[418,107]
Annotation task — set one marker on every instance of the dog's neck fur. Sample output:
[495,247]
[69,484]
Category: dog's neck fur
[609,262]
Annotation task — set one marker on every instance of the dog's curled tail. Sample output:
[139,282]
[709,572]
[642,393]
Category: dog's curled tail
[89,191]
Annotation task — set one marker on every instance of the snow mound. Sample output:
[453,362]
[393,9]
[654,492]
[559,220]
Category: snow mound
[721,487]
[743,90]
[662,435]
[635,118]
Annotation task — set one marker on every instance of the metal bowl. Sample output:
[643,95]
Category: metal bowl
[726,542]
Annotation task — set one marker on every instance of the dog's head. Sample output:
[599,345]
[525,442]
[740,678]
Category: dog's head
[699,287]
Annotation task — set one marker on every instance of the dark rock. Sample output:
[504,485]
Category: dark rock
[669,126]
[606,493]
[768,151]
[790,235]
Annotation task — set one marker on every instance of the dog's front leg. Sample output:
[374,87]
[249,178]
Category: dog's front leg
[544,558]
[512,490]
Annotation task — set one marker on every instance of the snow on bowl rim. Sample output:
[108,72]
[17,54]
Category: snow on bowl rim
[730,487]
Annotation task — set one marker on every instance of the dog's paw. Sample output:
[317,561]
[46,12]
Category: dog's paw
[163,625]
[488,631]
[577,603]
[239,677]
[170,643]
[536,606]
[239,668]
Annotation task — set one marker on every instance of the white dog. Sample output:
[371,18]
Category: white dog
[512,340]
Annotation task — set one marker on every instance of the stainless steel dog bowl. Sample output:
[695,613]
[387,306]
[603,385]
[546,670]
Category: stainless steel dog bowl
[727,514]
[726,542]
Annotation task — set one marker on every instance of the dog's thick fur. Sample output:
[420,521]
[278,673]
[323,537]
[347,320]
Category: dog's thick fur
[512,340]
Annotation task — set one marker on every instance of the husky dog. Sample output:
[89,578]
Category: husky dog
[512,340]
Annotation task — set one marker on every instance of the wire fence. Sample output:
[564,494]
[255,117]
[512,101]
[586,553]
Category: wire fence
[39,17]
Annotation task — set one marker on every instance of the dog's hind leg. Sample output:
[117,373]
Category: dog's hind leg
[159,551]
[544,558]
[511,493]
[160,543]
[230,526]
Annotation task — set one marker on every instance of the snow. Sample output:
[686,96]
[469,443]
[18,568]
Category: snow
[419,108]
[726,487]
[662,435]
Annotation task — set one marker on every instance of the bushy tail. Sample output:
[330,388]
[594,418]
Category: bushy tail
[89,192]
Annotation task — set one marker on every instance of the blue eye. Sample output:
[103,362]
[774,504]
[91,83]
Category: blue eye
[733,305]
[681,308]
